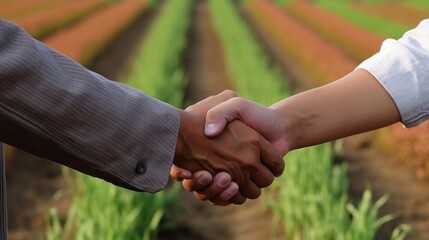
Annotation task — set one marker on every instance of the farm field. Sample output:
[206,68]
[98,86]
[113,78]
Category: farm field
[256,48]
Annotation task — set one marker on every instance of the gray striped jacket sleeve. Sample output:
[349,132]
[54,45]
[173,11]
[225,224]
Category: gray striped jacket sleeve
[54,108]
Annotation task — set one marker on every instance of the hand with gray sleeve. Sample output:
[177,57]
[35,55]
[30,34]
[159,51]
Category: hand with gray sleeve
[52,107]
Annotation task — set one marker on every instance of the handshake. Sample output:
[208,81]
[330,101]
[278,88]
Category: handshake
[219,153]
[241,143]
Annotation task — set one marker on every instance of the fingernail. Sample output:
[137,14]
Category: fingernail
[203,180]
[210,128]
[184,175]
[223,181]
[233,189]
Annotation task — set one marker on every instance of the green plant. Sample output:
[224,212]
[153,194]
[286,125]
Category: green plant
[250,70]
[370,22]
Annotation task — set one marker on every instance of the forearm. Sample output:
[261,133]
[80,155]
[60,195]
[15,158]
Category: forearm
[391,86]
[353,104]
[56,109]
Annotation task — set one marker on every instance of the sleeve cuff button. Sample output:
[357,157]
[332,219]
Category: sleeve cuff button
[140,168]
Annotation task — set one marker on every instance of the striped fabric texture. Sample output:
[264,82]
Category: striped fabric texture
[56,109]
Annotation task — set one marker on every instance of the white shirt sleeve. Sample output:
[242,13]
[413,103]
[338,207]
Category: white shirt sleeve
[402,67]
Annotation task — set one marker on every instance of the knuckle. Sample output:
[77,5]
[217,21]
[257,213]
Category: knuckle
[239,201]
[255,195]
[263,181]
[253,140]
[269,182]
[236,100]
[190,108]
[280,167]
[235,169]
[214,112]
[229,93]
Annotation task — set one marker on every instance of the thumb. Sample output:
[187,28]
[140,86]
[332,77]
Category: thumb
[222,114]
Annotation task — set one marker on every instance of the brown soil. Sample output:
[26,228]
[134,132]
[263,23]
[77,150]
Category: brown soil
[410,146]
[316,55]
[117,60]
[93,35]
[358,43]
[401,13]
[41,24]
[13,10]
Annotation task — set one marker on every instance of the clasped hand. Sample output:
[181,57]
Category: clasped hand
[241,160]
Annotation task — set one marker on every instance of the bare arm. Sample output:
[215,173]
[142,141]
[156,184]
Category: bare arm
[353,104]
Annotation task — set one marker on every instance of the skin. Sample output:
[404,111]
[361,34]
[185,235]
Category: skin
[353,104]
[248,158]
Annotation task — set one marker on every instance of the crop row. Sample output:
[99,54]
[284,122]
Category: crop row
[357,42]
[96,203]
[86,39]
[15,9]
[400,13]
[42,23]
[371,22]
[317,57]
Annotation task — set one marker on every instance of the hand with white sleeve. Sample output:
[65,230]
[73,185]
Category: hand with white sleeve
[353,104]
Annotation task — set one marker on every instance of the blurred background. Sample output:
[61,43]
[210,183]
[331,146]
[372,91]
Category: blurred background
[369,186]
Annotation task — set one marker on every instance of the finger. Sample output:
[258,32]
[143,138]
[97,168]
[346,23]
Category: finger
[262,177]
[220,183]
[198,181]
[212,101]
[225,95]
[251,113]
[230,195]
[179,174]
[238,199]
[222,199]
[250,190]
[218,116]
[271,158]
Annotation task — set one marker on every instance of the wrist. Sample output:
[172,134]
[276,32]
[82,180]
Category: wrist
[296,122]
[287,132]
[181,140]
